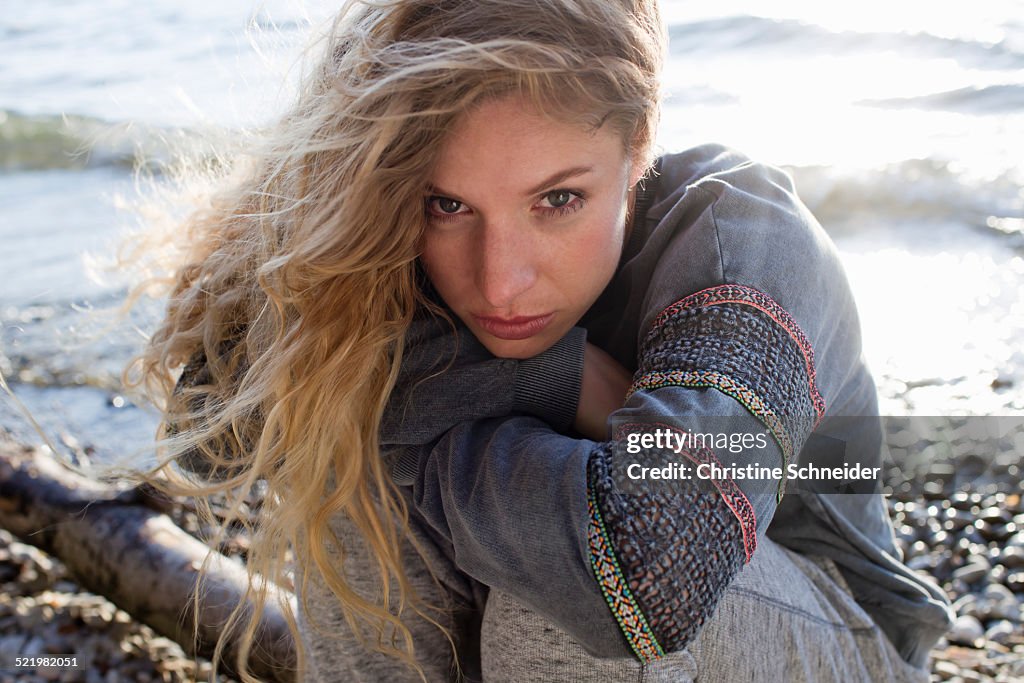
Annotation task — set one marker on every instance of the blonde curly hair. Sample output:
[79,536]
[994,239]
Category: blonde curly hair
[296,282]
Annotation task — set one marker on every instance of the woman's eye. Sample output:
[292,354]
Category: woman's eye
[448,205]
[445,205]
[558,198]
[443,208]
[561,202]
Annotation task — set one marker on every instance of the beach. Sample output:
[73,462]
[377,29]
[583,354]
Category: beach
[902,128]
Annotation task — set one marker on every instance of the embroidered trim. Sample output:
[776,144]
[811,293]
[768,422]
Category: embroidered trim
[616,591]
[739,294]
[676,548]
[727,488]
[738,341]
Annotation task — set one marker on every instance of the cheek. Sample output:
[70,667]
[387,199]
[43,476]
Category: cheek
[599,250]
[443,262]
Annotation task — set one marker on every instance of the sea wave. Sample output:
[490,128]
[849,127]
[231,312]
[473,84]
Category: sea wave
[913,189]
[745,32]
[994,99]
[47,141]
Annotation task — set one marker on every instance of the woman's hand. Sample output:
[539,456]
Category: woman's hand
[602,391]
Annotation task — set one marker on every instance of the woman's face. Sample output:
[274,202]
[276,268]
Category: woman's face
[526,219]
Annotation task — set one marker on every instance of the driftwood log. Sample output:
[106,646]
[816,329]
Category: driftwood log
[118,547]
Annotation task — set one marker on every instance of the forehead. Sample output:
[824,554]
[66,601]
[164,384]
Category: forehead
[509,144]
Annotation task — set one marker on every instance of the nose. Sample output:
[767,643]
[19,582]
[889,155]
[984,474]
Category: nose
[506,268]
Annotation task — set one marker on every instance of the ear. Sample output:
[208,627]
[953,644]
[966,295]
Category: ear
[637,168]
[640,161]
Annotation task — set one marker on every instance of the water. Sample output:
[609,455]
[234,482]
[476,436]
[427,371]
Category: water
[902,123]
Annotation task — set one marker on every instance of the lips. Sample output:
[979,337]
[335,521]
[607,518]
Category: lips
[522,327]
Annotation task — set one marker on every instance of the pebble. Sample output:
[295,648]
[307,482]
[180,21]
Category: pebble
[956,519]
[12,645]
[917,548]
[926,563]
[967,630]
[1000,631]
[1006,609]
[977,570]
[995,514]
[966,604]
[34,647]
[1016,668]
[1012,557]
[972,534]
[995,591]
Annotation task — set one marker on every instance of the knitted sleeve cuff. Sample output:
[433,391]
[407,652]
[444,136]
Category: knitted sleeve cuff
[548,385]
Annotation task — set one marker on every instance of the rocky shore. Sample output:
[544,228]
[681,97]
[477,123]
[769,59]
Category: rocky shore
[43,612]
[973,544]
[960,520]
[957,504]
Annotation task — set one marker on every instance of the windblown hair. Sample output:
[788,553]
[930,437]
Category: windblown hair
[284,328]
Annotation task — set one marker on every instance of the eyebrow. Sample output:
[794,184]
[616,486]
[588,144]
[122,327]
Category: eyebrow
[551,180]
[560,176]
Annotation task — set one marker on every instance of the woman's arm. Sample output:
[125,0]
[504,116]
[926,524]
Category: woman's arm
[636,566]
[623,566]
[447,377]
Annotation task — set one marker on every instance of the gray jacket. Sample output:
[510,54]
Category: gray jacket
[731,306]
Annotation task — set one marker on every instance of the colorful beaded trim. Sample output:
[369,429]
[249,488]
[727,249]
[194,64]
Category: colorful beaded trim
[613,584]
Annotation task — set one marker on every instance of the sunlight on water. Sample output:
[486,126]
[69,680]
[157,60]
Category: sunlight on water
[902,123]
[800,87]
[977,21]
[946,322]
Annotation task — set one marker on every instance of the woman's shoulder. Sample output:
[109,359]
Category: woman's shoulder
[723,225]
[739,219]
[724,176]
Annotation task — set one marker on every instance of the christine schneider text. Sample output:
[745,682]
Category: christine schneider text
[679,441]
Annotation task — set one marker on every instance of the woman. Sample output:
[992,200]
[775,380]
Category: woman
[453,303]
